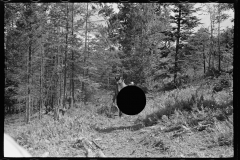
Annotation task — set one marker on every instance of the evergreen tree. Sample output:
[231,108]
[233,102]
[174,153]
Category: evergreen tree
[184,21]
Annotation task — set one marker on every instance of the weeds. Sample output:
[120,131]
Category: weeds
[201,110]
[198,111]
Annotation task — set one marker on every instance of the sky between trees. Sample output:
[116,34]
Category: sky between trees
[205,18]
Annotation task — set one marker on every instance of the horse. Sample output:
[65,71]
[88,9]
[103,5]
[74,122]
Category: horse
[120,84]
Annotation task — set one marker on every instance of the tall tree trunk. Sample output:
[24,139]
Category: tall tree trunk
[108,79]
[212,14]
[41,80]
[60,60]
[219,54]
[72,80]
[85,50]
[55,81]
[209,60]
[177,43]
[211,44]
[87,69]
[29,84]
[204,60]
[65,62]
[28,109]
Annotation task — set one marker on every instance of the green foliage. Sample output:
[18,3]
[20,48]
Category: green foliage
[22,30]
[189,99]
[226,40]
[137,41]
[184,21]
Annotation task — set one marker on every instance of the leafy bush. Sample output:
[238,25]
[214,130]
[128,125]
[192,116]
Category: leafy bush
[221,83]
[212,72]
[183,79]
[169,86]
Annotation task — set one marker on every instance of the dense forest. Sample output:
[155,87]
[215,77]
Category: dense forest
[60,56]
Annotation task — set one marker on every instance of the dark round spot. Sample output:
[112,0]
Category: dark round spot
[131,100]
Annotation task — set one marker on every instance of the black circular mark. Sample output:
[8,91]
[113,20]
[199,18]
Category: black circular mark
[131,100]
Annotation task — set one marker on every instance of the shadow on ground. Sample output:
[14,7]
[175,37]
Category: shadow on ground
[110,129]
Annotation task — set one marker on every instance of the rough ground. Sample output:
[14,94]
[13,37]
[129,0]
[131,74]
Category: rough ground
[125,137]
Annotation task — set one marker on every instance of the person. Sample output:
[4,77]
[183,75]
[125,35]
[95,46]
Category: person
[12,149]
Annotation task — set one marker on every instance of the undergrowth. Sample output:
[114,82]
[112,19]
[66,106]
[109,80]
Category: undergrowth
[198,110]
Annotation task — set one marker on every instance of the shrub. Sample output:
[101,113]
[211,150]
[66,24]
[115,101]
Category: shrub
[221,83]
[212,72]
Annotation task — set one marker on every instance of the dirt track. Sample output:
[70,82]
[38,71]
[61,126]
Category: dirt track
[122,138]
[125,137]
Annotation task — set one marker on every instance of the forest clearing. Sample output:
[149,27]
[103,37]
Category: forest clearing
[61,64]
[200,133]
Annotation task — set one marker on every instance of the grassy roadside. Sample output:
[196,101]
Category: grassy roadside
[190,122]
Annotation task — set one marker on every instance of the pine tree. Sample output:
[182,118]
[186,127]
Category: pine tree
[184,21]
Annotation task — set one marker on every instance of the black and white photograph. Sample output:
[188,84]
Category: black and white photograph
[119,80]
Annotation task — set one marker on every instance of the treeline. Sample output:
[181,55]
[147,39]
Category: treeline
[57,54]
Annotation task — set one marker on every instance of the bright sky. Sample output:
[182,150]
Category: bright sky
[205,19]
